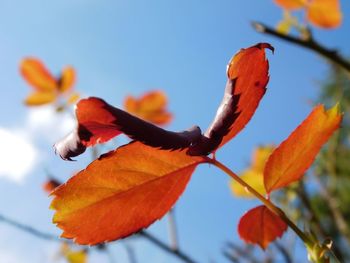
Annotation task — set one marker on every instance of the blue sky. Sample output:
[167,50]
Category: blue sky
[130,47]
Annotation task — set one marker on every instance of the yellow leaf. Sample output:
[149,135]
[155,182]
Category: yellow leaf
[254,178]
[286,24]
[40,98]
[72,256]
[77,256]
[254,174]
[67,79]
[73,98]
[37,75]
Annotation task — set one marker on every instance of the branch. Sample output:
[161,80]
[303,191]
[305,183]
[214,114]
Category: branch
[31,230]
[178,253]
[285,253]
[308,43]
[238,252]
[172,230]
[51,237]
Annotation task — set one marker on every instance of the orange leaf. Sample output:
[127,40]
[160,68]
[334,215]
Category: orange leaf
[50,185]
[40,98]
[247,79]
[250,69]
[324,13]
[150,107]
[261,226]
[36,74]
[67,79]
[295,155]
[291,4]
[121,192]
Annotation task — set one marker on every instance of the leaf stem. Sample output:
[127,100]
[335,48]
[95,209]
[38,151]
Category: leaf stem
[265,201]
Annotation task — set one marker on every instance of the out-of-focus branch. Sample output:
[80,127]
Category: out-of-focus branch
[308,43]
[337,215]
[51,237]
[178,253]
[238,252]
[284,252]
[172,230]
[302,193]
[30,230]
[131,253]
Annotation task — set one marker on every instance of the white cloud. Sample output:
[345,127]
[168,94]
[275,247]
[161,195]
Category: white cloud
[19,152]
[17,155]
[45,122]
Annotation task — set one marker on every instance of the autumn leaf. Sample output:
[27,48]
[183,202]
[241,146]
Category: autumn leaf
[294,156]
[250,69]
[47,88]
[125,190]
[324,13]
[321,13]
[247,79]
[98,122]
[261,226]
[40,98]
[73,256]
[291,4]
[151,107]
[50,185]
[67,79]
[37,75]
[254,174]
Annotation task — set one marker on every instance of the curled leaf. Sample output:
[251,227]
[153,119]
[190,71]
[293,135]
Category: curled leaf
[247,79]
[99,122]
[260,226]
[294,156]
[150,107]
[121,192]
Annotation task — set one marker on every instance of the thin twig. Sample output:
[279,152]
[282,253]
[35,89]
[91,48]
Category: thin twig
[305,238]
[314,218]
[51,237]
[178,253]
[308,43]
[230,257]
[245,252]
[131,253]
[337,215]
[285,253]
[174,244]
[31,230]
